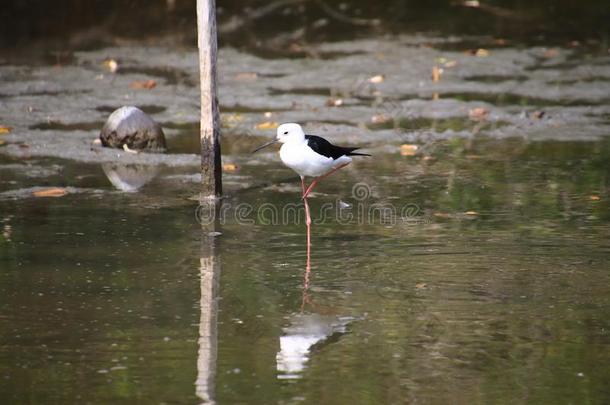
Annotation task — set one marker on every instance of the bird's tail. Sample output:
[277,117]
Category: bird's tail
[350,152]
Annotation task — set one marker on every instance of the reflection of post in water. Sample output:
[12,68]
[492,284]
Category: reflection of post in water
[208,328]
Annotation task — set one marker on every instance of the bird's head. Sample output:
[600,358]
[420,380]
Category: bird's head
[289,132]
[286,133]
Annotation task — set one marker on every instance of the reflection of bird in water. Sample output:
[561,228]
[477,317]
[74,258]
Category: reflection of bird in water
[129,178]
[305,333]
[310,155]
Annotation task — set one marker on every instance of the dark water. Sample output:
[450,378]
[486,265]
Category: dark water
[479,274]
[269,28]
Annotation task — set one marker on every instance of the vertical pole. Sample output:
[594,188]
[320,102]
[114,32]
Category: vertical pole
[211,168]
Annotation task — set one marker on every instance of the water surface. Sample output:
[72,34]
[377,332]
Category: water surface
[474,272]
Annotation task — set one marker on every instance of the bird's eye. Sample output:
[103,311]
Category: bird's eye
[286,133]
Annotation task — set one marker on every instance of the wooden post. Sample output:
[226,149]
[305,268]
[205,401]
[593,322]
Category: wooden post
[211,167]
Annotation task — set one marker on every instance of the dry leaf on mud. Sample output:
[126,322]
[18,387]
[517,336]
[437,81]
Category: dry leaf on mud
[334,102]
[421,286]
[5,129]
[408,149]
[229,167]
[51,192]
[267,125]
[380,118]
[127,149]
[478,113]
[111,65]
[143,84]
[594,198]
[471,3]
[442,215]
[436,73]
[377,79]
[471,213]
[550,53]
[246,76]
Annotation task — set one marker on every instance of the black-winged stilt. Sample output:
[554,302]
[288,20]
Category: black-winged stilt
[309,155]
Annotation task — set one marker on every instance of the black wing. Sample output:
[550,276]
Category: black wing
[325,148]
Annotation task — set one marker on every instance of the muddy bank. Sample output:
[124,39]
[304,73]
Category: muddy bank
[371,92]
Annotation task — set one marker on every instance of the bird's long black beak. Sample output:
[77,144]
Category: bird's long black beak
[264,146]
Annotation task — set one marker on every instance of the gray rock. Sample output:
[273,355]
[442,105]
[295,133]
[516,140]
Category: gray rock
[131,126]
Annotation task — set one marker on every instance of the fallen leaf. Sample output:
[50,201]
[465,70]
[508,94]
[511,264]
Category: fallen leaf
[471,213]
[5,129]
[421,286]
[594,198]
[246,76]
[143,84]
[334,102]
[128,149]
[377,79]
[450,64]
[478,113]
[380,118]
[268,114]
[229,167]
[408,150]
[442,215]
[2,142]
[471,3]
[481,53]
[550,53]
[436,73]
[231,120]
[267,125]
[428,158]
[97,141]
[111,65]
[294,47]
[51,192]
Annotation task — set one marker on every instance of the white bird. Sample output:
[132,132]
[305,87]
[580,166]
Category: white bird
[310,155]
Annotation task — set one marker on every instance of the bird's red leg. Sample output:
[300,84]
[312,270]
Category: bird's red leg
[308,223]
[303,184]
[317,179]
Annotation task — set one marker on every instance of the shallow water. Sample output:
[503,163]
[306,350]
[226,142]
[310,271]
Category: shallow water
[475,274]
